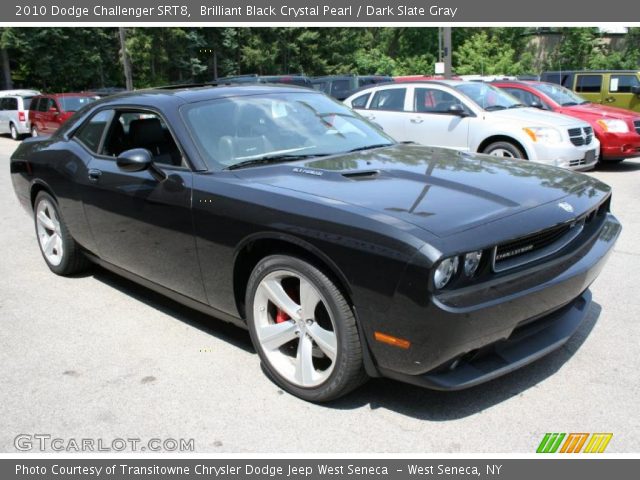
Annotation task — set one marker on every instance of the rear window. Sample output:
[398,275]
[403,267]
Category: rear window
[27,102]
[9,103]
[73,104]
[589,83]
[341,88]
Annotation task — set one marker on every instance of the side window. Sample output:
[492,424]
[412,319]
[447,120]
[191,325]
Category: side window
[389,99]
[589,83]
[361,101]
[91,132]
[43,104]
[3,104]
[623,83]
[53,104]
[142,129]
[430,100]
[12,104]
[35,104]
[524,96]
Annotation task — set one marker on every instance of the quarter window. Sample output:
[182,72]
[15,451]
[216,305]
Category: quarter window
[91,132]
[623,83]
[389,99]
[589,83]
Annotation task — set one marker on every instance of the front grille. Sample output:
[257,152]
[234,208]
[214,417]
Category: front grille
[581,136]
[536,246]
[636,123]
[576,163]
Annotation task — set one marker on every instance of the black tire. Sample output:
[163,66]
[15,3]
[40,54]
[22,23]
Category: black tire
[73,259]
[34,131]
[14,132]
[348,372]
[515,151]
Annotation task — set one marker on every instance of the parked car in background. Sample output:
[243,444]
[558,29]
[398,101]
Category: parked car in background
[299,80]
[14,112]
[345,254]
[617,129]
[617,88]
[341,86]
[48,112]
[477,117]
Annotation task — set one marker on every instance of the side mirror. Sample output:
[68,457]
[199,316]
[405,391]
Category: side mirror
[134,160]
[459,110]
[635,89]
[535,104]
[137,160]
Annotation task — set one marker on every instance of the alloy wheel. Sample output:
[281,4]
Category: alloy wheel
[502,152]
[49,233]
[295,328]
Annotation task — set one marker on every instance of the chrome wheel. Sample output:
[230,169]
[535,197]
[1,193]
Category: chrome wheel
[14,132]
[502,152]
[295,328]
[49,233]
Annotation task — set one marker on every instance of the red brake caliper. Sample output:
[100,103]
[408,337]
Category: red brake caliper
[281,316]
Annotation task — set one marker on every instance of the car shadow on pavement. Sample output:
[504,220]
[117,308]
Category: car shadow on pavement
[431,405]
[621,167]
[225,331]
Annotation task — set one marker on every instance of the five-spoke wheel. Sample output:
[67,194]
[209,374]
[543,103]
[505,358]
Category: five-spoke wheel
[303,329]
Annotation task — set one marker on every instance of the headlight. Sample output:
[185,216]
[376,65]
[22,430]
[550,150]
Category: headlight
[613,125]
[445,271]
[471,262]
[544,134]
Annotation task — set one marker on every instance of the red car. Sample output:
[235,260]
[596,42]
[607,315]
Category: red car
[48,112]
[617,129]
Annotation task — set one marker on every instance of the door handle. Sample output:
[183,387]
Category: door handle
[94,174]
[417,120]
[371,117]
[609,99]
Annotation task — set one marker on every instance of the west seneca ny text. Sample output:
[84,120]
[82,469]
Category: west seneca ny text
[353,11]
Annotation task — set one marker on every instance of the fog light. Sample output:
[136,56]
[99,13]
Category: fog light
[471,262]
[445,271]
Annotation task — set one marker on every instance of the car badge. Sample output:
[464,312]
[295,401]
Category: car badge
[567,207]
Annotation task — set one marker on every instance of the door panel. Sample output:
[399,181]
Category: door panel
[431,124]
[387,108]
[145,226]
[619,92]
[590,87]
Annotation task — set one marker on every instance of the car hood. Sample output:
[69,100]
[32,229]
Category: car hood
[440,190]
[594,110]
[533,117]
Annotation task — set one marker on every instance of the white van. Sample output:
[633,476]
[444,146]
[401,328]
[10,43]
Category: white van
[14,112]
[477,117]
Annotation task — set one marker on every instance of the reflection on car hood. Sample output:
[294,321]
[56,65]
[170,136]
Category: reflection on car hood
[533,117]
[440,190]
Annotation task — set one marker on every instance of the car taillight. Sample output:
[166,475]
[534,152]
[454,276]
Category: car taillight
[21,116]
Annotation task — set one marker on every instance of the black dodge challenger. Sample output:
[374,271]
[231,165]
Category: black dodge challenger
[345,254]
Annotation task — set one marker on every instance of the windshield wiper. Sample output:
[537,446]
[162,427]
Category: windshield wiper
[517,105]
[369,147]
[569,104]
[268,159]
[491,108]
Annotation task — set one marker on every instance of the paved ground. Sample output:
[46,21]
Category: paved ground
[100,357]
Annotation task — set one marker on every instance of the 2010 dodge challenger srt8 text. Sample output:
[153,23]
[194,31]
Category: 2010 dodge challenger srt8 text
[344,253]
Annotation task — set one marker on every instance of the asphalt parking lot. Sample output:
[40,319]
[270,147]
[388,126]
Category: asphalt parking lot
[98,357]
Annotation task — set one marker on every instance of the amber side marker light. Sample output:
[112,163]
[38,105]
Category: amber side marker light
[391,340]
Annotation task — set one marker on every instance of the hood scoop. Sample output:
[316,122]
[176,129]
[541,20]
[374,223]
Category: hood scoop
[362,175]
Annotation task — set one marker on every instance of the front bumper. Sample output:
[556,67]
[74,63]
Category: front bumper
[527,344]
[617,146]
[462,338]
[566,155]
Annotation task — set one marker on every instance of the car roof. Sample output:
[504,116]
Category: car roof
[68,94]
[192,94]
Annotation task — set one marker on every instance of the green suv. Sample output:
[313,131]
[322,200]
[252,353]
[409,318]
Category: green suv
[617,88]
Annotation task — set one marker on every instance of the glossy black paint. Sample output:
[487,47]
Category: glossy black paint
[377,221]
